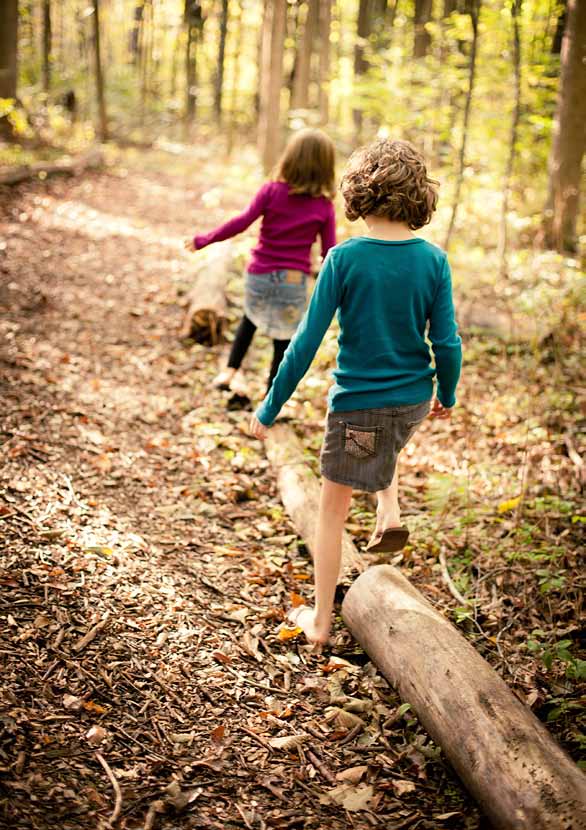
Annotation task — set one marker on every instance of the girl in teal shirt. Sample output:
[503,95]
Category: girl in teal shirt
[391,291]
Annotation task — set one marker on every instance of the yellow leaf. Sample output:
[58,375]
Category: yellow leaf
[510,504]
[90,706]
[289,633]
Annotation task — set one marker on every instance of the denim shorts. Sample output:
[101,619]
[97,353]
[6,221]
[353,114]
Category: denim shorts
[276,302]
[361,447]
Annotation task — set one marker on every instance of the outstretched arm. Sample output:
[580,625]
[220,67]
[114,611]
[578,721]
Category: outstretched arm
[238,224]
[445,341]
[301,351]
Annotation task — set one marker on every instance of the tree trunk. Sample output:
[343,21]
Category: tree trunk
[273,41]
[206,310]
[300,490]
[47,38]
[371,18]
[560,28]
[134,40]
[8,59]
[99,75]
[194,25]
[474,12]
[218,92]
[503,754]
[569,139]
[422,38]
[300,94]
[516,6]
[233,123]
[325,24]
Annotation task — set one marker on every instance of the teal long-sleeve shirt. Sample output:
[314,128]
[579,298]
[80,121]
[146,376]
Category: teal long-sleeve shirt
[388,296]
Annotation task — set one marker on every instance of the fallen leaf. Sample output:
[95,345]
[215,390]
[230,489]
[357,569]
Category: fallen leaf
[296,599]
[218,733]
[90,706]
[96,734]
[510,504]
[349,797]
[352,775]
[221,657]
[289,633]
[404,787]
[288,742]
[72,703]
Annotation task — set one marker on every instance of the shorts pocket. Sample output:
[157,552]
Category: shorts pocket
[359,441]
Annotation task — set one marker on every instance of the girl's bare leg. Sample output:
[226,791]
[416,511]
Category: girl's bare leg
[333,509]
[387,508]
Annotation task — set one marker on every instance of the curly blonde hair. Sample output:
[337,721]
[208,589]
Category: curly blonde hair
[389,178]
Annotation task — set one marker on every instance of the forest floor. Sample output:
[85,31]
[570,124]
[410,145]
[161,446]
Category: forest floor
[147,562]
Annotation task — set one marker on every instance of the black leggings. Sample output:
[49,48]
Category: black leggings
[242,341]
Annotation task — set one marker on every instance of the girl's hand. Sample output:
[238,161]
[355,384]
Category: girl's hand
[439,411]
[189,245]
[256,429]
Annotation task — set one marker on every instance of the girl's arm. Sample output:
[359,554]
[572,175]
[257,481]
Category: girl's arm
[239,223]
[445,341]
[301,351]
[328,231]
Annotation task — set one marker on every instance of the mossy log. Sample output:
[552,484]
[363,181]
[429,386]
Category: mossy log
[520,777]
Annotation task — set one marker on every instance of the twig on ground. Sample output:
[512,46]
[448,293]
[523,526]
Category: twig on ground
[448,580]
[87,638]
[115,785]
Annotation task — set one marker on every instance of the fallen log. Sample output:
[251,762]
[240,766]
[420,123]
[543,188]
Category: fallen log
[506,758]
[93,159]
[299,489]
[206,302]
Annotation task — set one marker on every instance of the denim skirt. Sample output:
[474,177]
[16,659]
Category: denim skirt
[275,302]
[361,447]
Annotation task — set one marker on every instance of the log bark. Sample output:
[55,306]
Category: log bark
[206,302]
[71,167]
[506,758]
[300,489]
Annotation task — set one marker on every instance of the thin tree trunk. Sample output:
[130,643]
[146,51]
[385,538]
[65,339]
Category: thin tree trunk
[47,38]
[422,38]
[8,59]
[569,139]
[325,24]
[516,6]
[99,75]
[474,12]
[558,37]
[135,33]
[274,25]
[233,123]
[360,62]
[218,92]
[194,25]
[300,94]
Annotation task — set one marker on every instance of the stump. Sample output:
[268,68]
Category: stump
[206,310]
[506,758]
[300,489]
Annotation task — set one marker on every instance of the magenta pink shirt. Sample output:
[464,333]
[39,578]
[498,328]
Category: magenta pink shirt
[290,226]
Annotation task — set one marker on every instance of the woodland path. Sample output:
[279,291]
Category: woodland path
[131,500]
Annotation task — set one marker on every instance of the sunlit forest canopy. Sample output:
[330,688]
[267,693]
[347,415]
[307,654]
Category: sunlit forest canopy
[424,70]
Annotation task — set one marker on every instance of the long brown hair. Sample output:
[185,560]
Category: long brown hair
[307,164]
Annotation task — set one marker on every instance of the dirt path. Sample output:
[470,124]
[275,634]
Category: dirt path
[147,562]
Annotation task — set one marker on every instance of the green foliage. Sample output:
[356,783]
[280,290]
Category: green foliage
[551,651]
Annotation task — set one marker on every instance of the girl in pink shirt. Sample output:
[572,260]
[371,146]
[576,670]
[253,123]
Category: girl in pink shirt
[296,207]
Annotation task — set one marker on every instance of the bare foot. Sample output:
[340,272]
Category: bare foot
[304,618]
[224,378]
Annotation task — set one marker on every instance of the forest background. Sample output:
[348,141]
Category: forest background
[191,102]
